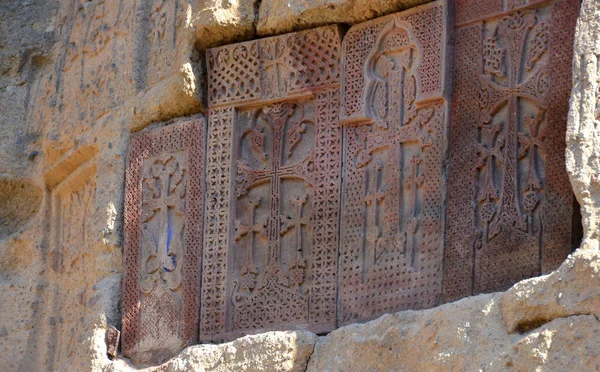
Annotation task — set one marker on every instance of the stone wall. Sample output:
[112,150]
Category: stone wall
[77,78]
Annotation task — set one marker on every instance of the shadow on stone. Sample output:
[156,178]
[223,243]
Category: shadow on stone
[19,201]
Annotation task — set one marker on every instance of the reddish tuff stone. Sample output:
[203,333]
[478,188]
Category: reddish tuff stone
[163,237]
[394,115]
[271,238]
[510,201]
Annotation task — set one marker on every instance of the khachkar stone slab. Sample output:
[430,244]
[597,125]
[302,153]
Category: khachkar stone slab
[163,237]
[393,112]
[273,180]
[509,197]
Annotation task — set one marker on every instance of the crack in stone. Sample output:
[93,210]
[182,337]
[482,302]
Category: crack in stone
[531,325]
[312,352]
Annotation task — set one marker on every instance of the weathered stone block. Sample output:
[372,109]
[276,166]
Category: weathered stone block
[394,113]
[273,181]
[113,336]
[510,201]
[92,72]
[163,237]
[278,16]
[72,184]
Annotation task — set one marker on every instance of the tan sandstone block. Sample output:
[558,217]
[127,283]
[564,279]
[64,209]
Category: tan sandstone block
[218,22]
[278,16]
[573,289]
[583,162]
[273,351]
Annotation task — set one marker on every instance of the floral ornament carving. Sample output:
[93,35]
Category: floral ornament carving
[513,75]
[163,201]
[279,73]
[265,293]
[392,91]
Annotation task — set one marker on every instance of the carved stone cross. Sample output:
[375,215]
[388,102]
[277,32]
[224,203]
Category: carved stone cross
[249,271]
[531,146]
[162,241]
[506,83]
[163,196]
[296,222]
[491,149]
[275,117]
[276,65]
[512,77]
[394,107]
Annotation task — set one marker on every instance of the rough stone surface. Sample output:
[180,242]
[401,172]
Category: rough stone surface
[20,200]
[583,148]
[278,16]
[218,22]
[26,38]
[467,335]
[113,338]
[570,290]
[274,351]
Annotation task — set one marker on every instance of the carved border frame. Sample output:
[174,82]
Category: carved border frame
[186,135]
[433,83]
[225,97]
[459,269]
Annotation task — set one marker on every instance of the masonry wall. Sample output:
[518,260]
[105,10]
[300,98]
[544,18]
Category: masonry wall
[77,78]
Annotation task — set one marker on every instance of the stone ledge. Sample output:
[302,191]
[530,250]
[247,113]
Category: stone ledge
[273,351]
[570,290]
[473,333]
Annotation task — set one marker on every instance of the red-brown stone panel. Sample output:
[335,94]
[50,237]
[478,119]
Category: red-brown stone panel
[163,237]
[509,198]
[273,181]
[394,115]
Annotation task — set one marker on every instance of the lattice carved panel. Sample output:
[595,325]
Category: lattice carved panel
[271,232]
[510,201]
[273,181]
[275,67]
[163,237]
[394,113]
